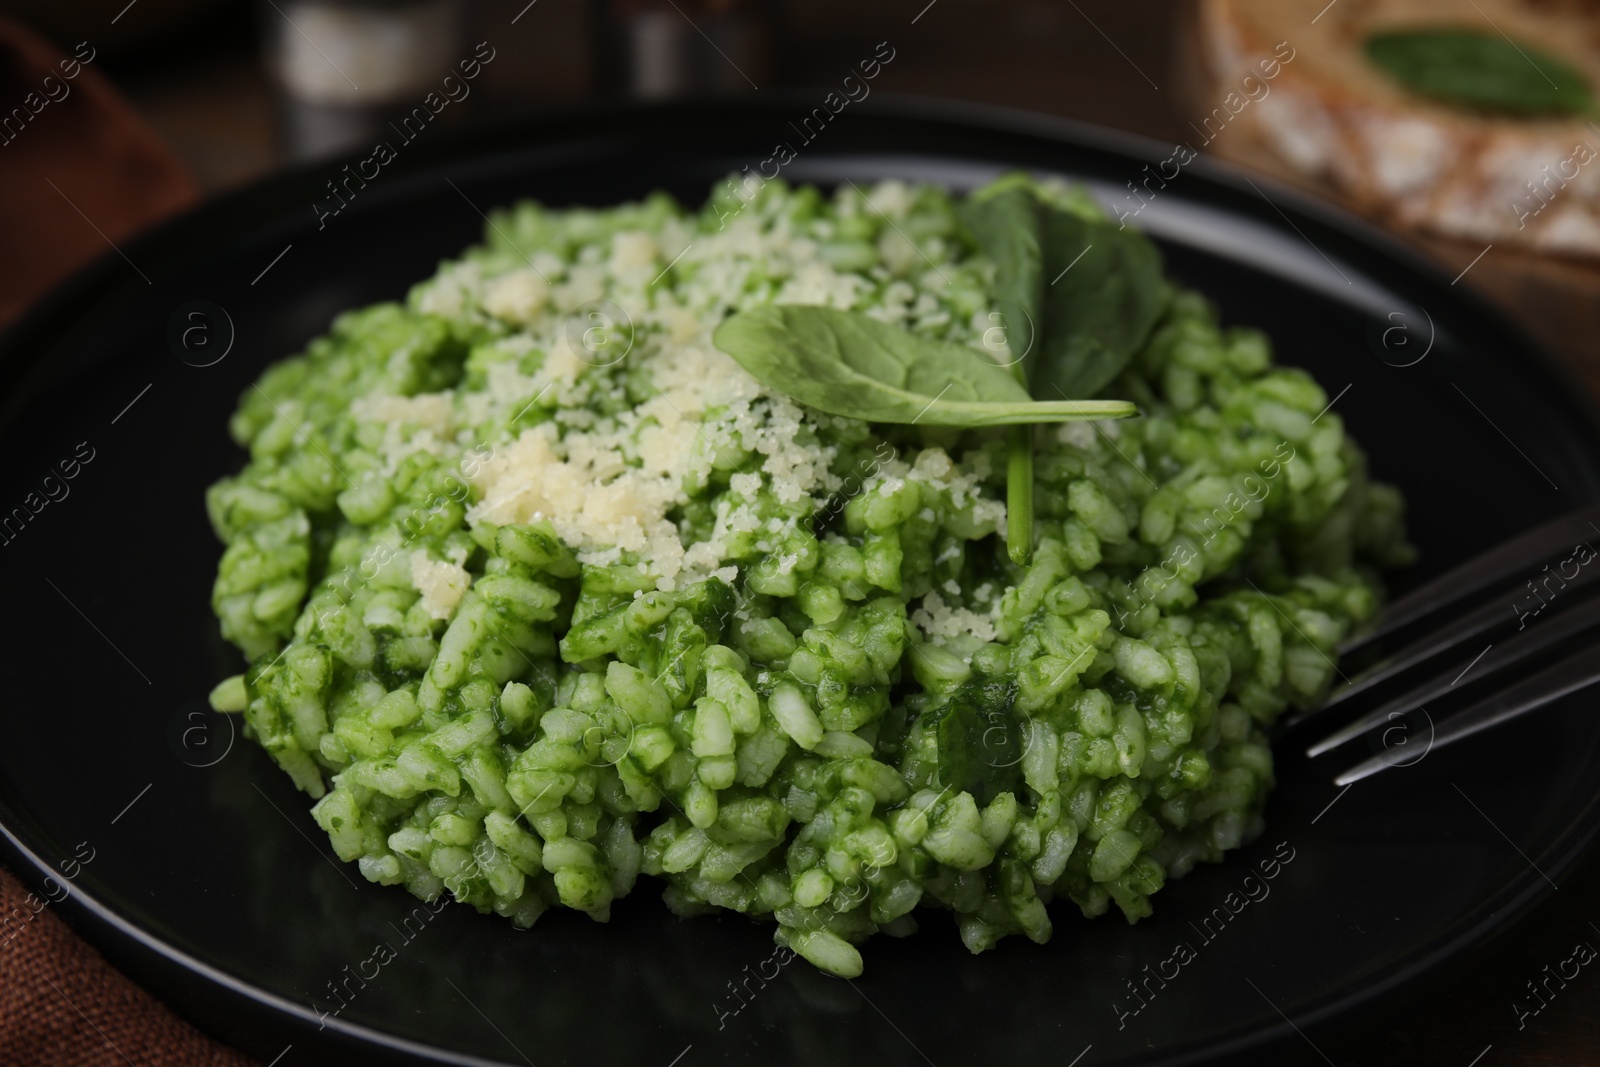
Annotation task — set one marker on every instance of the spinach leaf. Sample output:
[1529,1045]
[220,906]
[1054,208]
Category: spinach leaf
[848,364]
[1482,71]
[1103,294]
[1077,296]
[980,746]
[1004,217]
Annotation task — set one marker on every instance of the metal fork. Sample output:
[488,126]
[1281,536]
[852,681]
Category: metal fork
[1480,600]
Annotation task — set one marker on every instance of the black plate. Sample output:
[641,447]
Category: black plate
[209,881]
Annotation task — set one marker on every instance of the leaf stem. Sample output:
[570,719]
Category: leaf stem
[1019,494]
[1019,479]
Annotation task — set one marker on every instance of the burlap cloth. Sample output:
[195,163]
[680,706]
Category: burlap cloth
[62,1004]
[77,171]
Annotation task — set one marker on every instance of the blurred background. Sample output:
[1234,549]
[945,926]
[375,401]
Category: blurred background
[236,88]
[117,113]
[173,100]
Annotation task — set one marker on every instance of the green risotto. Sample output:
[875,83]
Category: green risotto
[542,591]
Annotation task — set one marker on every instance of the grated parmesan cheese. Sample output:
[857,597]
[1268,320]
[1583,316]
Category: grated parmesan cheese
[441,584]
[941,621]
[518,297]
[609,470]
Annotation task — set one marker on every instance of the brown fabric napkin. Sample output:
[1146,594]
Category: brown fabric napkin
[63,1005]
[78,171]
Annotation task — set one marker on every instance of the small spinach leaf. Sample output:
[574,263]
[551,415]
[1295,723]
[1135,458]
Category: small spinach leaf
[852,365]
[980,746]
[1103,294]
[1482,71]
[1077,296]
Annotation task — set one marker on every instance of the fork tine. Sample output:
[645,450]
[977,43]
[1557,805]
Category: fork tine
[1499,564]
[1480,620]
[1576,672]
[1511,652]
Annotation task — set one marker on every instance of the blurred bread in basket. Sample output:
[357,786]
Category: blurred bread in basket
[1498,158]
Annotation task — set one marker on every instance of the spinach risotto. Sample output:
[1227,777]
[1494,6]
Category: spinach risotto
[621,548]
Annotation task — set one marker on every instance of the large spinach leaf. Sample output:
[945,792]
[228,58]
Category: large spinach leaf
[849,364]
